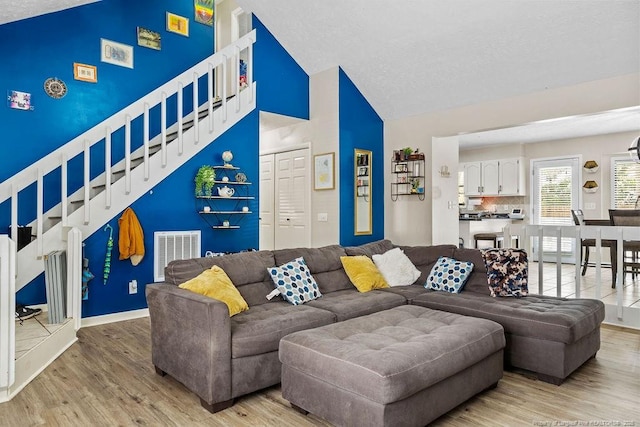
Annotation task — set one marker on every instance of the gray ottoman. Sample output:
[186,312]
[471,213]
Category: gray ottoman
[400,367]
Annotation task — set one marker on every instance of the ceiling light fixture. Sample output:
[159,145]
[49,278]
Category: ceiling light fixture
[634,150]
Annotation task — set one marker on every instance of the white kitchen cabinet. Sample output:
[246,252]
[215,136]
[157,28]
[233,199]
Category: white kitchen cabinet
[494,178]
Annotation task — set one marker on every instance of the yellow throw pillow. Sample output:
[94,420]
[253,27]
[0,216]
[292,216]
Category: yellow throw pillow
[214,283]
[363,273]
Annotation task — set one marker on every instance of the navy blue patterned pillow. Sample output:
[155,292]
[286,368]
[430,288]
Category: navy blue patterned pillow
[449,275]
[295,282]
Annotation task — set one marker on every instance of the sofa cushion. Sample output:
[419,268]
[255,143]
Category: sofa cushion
[449,275]
[260,329]
[477,282]
[425,257]
[350,303]
[363,273]
[214,283]
[247,271]
[541,317]
[324,264]
[294,282]
[507,272]
[370,249]
[396,268]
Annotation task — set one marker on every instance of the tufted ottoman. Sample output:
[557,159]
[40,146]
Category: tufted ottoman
[400,367]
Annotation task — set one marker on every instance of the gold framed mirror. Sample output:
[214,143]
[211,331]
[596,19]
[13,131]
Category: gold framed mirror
[363,192]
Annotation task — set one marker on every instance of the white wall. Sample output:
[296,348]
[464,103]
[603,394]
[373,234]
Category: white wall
[444,191]
[410,223]
[320,133]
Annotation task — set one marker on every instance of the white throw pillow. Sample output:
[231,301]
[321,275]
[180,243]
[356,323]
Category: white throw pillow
[396,268]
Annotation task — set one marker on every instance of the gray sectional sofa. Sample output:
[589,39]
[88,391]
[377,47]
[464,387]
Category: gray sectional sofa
[221,358]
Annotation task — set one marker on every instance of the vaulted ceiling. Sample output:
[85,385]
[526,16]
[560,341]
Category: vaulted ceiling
[410,57]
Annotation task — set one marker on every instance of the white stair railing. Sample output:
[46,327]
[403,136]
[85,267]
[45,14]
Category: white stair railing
[7,313]
[187,130]
[528,234]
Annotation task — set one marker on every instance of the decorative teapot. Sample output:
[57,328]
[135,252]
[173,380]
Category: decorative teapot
[225,191]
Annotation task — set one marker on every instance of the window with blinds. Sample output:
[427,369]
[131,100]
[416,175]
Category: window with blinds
[625,179]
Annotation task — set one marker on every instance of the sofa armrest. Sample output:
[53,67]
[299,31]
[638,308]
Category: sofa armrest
[191,340]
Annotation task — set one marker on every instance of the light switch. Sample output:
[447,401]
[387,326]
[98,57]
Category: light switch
[323,217]
[589,206]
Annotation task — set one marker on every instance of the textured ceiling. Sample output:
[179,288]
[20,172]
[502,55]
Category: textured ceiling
[415,56]
[15,10]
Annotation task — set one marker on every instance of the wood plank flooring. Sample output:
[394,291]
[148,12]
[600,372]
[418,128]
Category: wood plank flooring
[107,379]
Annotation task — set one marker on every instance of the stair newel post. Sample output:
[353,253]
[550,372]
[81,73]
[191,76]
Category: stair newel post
[87,181]
[14,212]
[63,189]
[196,121]
[250,70]
[40,212]
[163,127]
[107,167]
[127,154]
[179,119]
[7,310]
[224,88]
[74,276]
[146,140]
[210,103]
[236,84]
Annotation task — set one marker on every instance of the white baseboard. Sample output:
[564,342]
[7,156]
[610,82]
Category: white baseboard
[115,317]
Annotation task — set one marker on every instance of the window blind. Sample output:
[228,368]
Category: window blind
[626,184]
[555,202]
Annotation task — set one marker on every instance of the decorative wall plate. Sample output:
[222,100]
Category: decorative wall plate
[55,88]
[240,177]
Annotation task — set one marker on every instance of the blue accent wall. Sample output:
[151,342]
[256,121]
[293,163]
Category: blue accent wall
[283,88]
[360,127]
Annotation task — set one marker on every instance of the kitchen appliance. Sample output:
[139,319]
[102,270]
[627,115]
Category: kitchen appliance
[516,213]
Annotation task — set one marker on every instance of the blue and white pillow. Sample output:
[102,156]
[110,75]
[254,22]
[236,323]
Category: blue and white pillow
[449,275]
[295,282]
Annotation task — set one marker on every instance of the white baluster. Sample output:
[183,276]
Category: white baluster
[14,212]
[63,189]
[163,127]
[236,59]
[196,121]
[107,167]
[127,154]
[211,96]
[250,71]
[180,119]
[146,141]
[224,88]
[87,181]
[40,213]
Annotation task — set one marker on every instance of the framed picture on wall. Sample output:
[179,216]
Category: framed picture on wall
[148,38]
[204,11]
[85,72]
[324,171]
[178,24]
[116,53]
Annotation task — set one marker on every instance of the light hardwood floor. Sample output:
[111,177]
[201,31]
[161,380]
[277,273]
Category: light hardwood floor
[107,379]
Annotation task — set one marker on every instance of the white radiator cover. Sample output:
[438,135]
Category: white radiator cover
[172,245]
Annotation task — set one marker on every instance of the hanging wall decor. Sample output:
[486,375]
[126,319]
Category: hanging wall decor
[178,24]
[148,38]
[55,88]
[590,186]
[19,100]
[204,11]
[590,166]
[85,72]
[116,53]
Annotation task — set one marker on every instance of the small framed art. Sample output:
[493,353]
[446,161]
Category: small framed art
[116,53]
[178,24]
[85,72]
[323,171]
[148,38]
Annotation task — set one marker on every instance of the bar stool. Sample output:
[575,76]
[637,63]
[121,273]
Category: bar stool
[495,238]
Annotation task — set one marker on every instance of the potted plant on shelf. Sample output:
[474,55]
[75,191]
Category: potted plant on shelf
[204,180]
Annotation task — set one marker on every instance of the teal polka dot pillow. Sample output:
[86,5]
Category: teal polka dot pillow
[295,282]
[449,275]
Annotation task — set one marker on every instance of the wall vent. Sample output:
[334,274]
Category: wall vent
[171,245]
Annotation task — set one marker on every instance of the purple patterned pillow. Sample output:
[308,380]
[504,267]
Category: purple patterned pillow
[507,272]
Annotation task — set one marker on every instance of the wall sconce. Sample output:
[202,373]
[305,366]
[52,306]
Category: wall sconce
[590,187]
[444,171]
[590,166]
[634,150]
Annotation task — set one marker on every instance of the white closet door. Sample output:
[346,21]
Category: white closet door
[267,197]
[292,199]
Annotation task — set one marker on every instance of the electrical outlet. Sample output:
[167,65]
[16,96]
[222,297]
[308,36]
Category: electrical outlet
[323,217]
[133,287]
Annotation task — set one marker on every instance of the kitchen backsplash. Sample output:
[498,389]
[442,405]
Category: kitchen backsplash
[498,204]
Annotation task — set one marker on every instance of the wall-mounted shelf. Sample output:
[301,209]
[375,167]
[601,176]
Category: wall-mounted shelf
[226,212]
[408,178]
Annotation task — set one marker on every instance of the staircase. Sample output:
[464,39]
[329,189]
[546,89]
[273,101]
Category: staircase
[183,133]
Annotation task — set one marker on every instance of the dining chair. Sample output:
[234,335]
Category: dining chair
[587,244]
[631,249]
